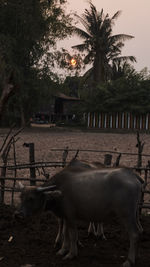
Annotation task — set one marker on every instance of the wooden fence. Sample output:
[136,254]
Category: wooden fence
[118,120]
[8,183]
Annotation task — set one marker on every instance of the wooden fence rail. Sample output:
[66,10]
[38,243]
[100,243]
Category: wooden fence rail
[34,165]
[22,179]
[101,151]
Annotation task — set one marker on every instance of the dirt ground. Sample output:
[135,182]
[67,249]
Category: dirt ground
[46,139]
[30,242]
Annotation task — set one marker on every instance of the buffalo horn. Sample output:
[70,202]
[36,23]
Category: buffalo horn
[46,188]
[21,187]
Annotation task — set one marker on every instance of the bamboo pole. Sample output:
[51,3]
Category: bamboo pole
[15,172]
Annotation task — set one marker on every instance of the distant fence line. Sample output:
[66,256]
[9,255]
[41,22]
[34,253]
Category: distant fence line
[118,120]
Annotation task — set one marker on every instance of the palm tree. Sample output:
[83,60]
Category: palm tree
[101,47]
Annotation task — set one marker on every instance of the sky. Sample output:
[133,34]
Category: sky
[134,20]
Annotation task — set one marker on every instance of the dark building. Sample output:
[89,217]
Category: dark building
[61,108]
[64,105]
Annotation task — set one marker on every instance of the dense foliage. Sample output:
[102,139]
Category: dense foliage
[131,92]
[29,31]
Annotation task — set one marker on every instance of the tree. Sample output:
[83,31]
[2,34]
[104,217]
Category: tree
[101,47]
[120,68]
[130,92]
[29,31]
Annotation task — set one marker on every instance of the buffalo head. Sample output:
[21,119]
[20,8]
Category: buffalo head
[34,199]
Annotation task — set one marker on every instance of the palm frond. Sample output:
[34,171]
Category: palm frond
[91,17]
[80,47]
[125,59]
[84,22]
[87,74]
[116,15]
[84,35]
[121,37]
[89,58]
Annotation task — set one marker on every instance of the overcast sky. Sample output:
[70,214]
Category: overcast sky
[134,20]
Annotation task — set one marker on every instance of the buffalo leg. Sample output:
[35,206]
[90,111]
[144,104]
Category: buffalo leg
[66,240]
[59,237]
[91,229]
[134,231]
[99,232]
[73,237]
[132,251]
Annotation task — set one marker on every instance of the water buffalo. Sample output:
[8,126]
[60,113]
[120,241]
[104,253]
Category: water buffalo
[96,229]
[89,195]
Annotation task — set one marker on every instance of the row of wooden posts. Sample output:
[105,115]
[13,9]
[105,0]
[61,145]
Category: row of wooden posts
[118,120]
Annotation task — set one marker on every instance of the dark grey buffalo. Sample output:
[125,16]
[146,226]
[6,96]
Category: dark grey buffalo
[89,195]
[96,229]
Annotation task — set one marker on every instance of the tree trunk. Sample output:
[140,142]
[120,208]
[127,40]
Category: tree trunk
[8,89]
[98,69]
[22,115]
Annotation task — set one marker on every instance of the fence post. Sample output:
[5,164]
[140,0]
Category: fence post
[31,160]
[3,171]
[140,146]
[3,175]
[15,172]
[64,156]
[143,190]
[117,160]
[107,159]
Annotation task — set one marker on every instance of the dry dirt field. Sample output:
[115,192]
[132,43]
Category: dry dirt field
[32,239]
[46,139]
